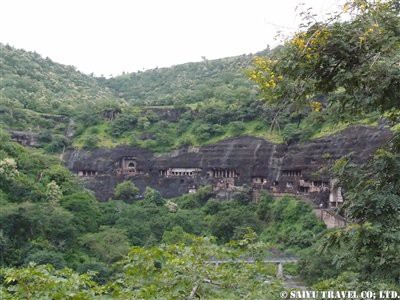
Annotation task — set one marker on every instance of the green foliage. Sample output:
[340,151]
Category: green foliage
[84,207]
[151,196]
[237,127]
[110,211]
[42,95]
[66,226]
[223,108]
[373,204]
[26,174]
[122,124]
[45,256]
[25,222]
[90,142]
[291,222]
[316,266]
[264,207]
[292,132]
[227,219]
[352,62]
[45,136]
[169,271]
[44,209]
[182,271]
[176,236]
[349,281]
[219,87]
[44,282]
[108,244]
[8,169]
[53,193]
[57,144]
[187,83]
[126,191]
[62,177]
[46,217]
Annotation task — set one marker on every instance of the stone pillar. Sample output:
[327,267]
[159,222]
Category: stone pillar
[279,273]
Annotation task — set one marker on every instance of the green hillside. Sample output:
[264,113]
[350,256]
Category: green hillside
[32,82]
[54,101]
[210,100]
[222,79]
[38,94]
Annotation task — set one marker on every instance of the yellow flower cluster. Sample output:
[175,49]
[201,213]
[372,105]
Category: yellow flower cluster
[309,43]
[299,40]
[263,73]
[374,28]
[316,106]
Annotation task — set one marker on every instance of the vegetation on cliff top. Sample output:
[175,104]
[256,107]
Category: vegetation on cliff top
[210,101]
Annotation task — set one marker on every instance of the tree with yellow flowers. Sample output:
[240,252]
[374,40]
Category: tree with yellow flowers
[356,63]
[354,60]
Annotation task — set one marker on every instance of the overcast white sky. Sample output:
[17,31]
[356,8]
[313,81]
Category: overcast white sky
[112,36]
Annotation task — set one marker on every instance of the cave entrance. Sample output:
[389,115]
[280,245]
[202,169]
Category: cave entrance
[128,165]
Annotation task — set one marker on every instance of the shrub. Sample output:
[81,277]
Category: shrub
[126,191]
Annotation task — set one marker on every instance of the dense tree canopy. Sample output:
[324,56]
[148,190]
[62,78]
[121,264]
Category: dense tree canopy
[354,63]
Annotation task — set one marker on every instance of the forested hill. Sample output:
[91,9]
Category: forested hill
[212,100]
[222,79]
[32,85]
[33,82]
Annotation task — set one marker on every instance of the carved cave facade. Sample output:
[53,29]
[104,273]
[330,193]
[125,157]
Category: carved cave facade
[298,169]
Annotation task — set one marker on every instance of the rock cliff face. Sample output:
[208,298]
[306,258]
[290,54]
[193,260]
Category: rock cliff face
[295,168]
[25,138]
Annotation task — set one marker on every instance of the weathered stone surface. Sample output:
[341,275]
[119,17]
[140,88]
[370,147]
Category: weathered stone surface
[25,138]
[295,168]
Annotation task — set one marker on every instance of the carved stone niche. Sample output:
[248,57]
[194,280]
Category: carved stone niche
[87,173]
[181,172]
[128,166]
[259,180]
[291,173]
[222,173]
[335,194]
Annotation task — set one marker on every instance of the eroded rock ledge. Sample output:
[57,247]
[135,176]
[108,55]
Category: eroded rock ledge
[300,168]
